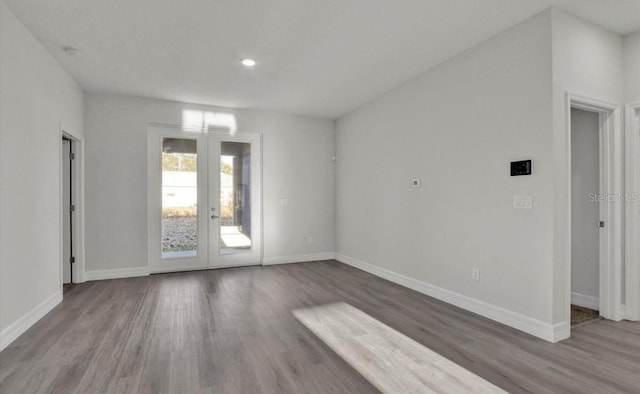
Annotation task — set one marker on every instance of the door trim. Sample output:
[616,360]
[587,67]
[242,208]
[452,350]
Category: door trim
[78,197]
[236,259]
[632,252]
[612,183]
[155,261]
[156,130]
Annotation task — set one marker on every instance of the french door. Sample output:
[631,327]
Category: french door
[204,199]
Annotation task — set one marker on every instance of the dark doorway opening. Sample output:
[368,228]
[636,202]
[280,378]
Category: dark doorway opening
[68,209]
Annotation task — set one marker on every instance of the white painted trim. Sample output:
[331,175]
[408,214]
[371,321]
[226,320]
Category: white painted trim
[79,225]
[207,257]
[117,273]
[61,210]
[585,301]
[612,183]
[78,198]
[561,331]
[632,219]
[155,263]
[546,331]
[301,258]
[17,328]
[590,104]
[254,255]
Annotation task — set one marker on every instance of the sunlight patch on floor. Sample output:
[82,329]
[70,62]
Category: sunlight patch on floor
[233,238]
[391,361]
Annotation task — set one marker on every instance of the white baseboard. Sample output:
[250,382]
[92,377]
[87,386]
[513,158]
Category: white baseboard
[561,331]
[546,331]
[116,273]
[17,328]
[301,258]
[585,301]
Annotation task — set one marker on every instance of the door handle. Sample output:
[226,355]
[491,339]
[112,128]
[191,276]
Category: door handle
[215,217]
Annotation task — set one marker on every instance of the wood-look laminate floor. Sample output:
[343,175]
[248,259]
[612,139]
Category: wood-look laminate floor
[233,331]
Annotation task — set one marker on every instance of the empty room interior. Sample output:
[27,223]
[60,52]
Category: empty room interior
[347,196]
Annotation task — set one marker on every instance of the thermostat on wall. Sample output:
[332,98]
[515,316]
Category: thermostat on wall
[521,168]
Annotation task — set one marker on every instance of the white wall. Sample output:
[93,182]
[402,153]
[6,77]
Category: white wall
[297,166]
[587,61]
[632,67]
[585,208]
[457,127]
[37,97]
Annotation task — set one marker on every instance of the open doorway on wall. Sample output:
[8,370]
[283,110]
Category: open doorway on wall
[586,201]
[68,213]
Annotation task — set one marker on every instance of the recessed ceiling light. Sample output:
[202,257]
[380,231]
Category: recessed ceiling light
[248,62]
[71,51]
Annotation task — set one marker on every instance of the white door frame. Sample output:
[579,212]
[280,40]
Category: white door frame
[255,256]
[77,177]
[206,247]
[632,252]
[611,184]
[156,263]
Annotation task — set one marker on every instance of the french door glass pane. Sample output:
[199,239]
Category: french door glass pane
[179,198]
[235,196]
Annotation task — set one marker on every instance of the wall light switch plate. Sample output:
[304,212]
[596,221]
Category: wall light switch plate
[415,182]
[522,202]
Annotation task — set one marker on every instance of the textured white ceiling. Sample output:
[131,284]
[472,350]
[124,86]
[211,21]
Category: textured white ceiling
[315,57]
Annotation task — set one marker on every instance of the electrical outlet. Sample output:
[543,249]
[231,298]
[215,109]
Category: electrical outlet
[284,201]
[310,240]
[475,273]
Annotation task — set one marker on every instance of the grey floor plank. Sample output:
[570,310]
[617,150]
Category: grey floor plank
[233,331]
